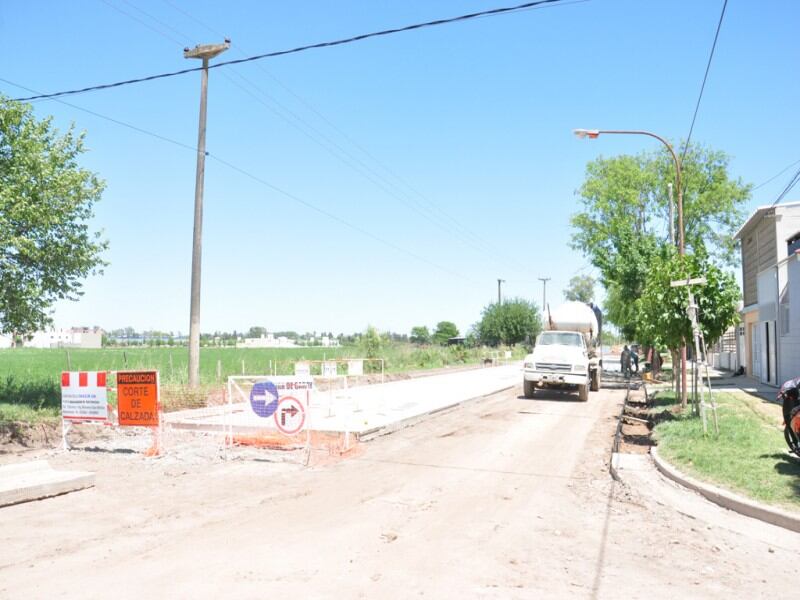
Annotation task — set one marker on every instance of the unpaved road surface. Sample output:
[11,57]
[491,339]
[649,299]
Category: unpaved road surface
[501,498]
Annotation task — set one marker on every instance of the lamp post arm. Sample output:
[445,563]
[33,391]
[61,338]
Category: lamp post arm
[681,245]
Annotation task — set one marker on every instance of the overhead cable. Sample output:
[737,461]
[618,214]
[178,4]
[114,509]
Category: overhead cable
[774,177]
[705,78]
[339,42]
[792,182]
[297,199]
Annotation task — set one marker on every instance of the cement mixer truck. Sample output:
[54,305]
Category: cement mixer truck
[567,353]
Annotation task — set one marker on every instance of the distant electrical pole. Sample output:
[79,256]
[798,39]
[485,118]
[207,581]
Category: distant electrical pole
[204,52]
[499,297]
[544,281]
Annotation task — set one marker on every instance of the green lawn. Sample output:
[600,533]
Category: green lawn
[749,457]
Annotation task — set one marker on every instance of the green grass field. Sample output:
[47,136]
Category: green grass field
[750,455]
[30,378]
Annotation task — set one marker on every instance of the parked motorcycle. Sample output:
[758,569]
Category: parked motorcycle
[789,396]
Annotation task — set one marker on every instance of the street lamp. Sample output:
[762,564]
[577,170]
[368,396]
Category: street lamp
[595,133]
[204,52]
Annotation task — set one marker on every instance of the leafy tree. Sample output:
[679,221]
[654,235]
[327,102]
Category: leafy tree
[623,222]
[444,331]
[371,343]
[420,335]
[46,202]
[580,289]
[256,332]
[510,322]
[661,310]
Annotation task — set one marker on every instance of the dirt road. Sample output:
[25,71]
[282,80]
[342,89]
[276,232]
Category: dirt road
[502,498]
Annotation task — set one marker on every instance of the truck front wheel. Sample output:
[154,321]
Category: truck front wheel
[595,386]
[583,392]
[528,388]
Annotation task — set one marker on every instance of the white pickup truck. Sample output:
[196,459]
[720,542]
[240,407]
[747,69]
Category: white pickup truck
[565,356]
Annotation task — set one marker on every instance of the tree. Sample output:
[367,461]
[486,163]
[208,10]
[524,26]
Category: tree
[661,310]
[371,343]
[420,335]
[510,322]
[444,331]
[580,289]
[256,332]
[622,225]
[46,202]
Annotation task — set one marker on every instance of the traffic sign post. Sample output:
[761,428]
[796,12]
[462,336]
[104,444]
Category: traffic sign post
[290,415]
[83,398]
[138,404]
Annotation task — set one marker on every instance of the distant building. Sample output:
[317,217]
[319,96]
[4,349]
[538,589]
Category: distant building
[74,337]
[267,341]
[328,342]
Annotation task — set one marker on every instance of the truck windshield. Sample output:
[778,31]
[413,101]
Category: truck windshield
[562,338]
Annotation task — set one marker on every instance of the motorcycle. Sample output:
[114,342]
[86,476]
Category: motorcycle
[789,396]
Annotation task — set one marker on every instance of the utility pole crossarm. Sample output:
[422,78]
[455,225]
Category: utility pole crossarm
[685,282]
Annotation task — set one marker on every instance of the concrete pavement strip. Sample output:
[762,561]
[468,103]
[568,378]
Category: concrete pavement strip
[34,480]
[366,411]
[729,500]
[636,468]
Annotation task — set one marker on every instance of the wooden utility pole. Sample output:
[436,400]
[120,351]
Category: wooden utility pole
[544,281]
[499,295]
[204,52]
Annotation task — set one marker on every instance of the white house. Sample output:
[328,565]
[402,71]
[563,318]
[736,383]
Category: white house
[768,240]
[267,341]
[75,337]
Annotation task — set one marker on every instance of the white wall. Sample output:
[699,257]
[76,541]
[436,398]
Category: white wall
[790,343]
[766,343]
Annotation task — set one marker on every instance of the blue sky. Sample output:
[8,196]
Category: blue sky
[453,144]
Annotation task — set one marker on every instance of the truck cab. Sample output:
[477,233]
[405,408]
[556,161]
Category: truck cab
[559,359]
[568,353]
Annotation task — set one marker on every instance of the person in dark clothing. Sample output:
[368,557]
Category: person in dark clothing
[625,362]
[635,357]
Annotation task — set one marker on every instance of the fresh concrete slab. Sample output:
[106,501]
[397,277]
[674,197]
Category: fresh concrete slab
[728,499]
[367,410]
[640,472]
[34,480]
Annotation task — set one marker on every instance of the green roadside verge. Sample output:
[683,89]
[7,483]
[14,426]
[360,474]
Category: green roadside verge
[29,401]
[748,457]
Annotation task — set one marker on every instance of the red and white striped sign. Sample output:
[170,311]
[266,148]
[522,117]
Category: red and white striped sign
[83,396]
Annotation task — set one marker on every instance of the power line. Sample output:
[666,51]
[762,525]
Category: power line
[340,42]
[163,138]
[792,182]
[297,199]
[487,247]
[140,21]
[426,208]
[774,177]
[325,142]
[705,77]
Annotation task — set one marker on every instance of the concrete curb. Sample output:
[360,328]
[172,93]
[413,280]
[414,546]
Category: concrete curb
[382,430]
[727,499]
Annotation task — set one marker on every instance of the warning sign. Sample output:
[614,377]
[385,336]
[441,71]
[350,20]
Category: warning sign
[137,398]
[83,396]
[281,401]
[290,415]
